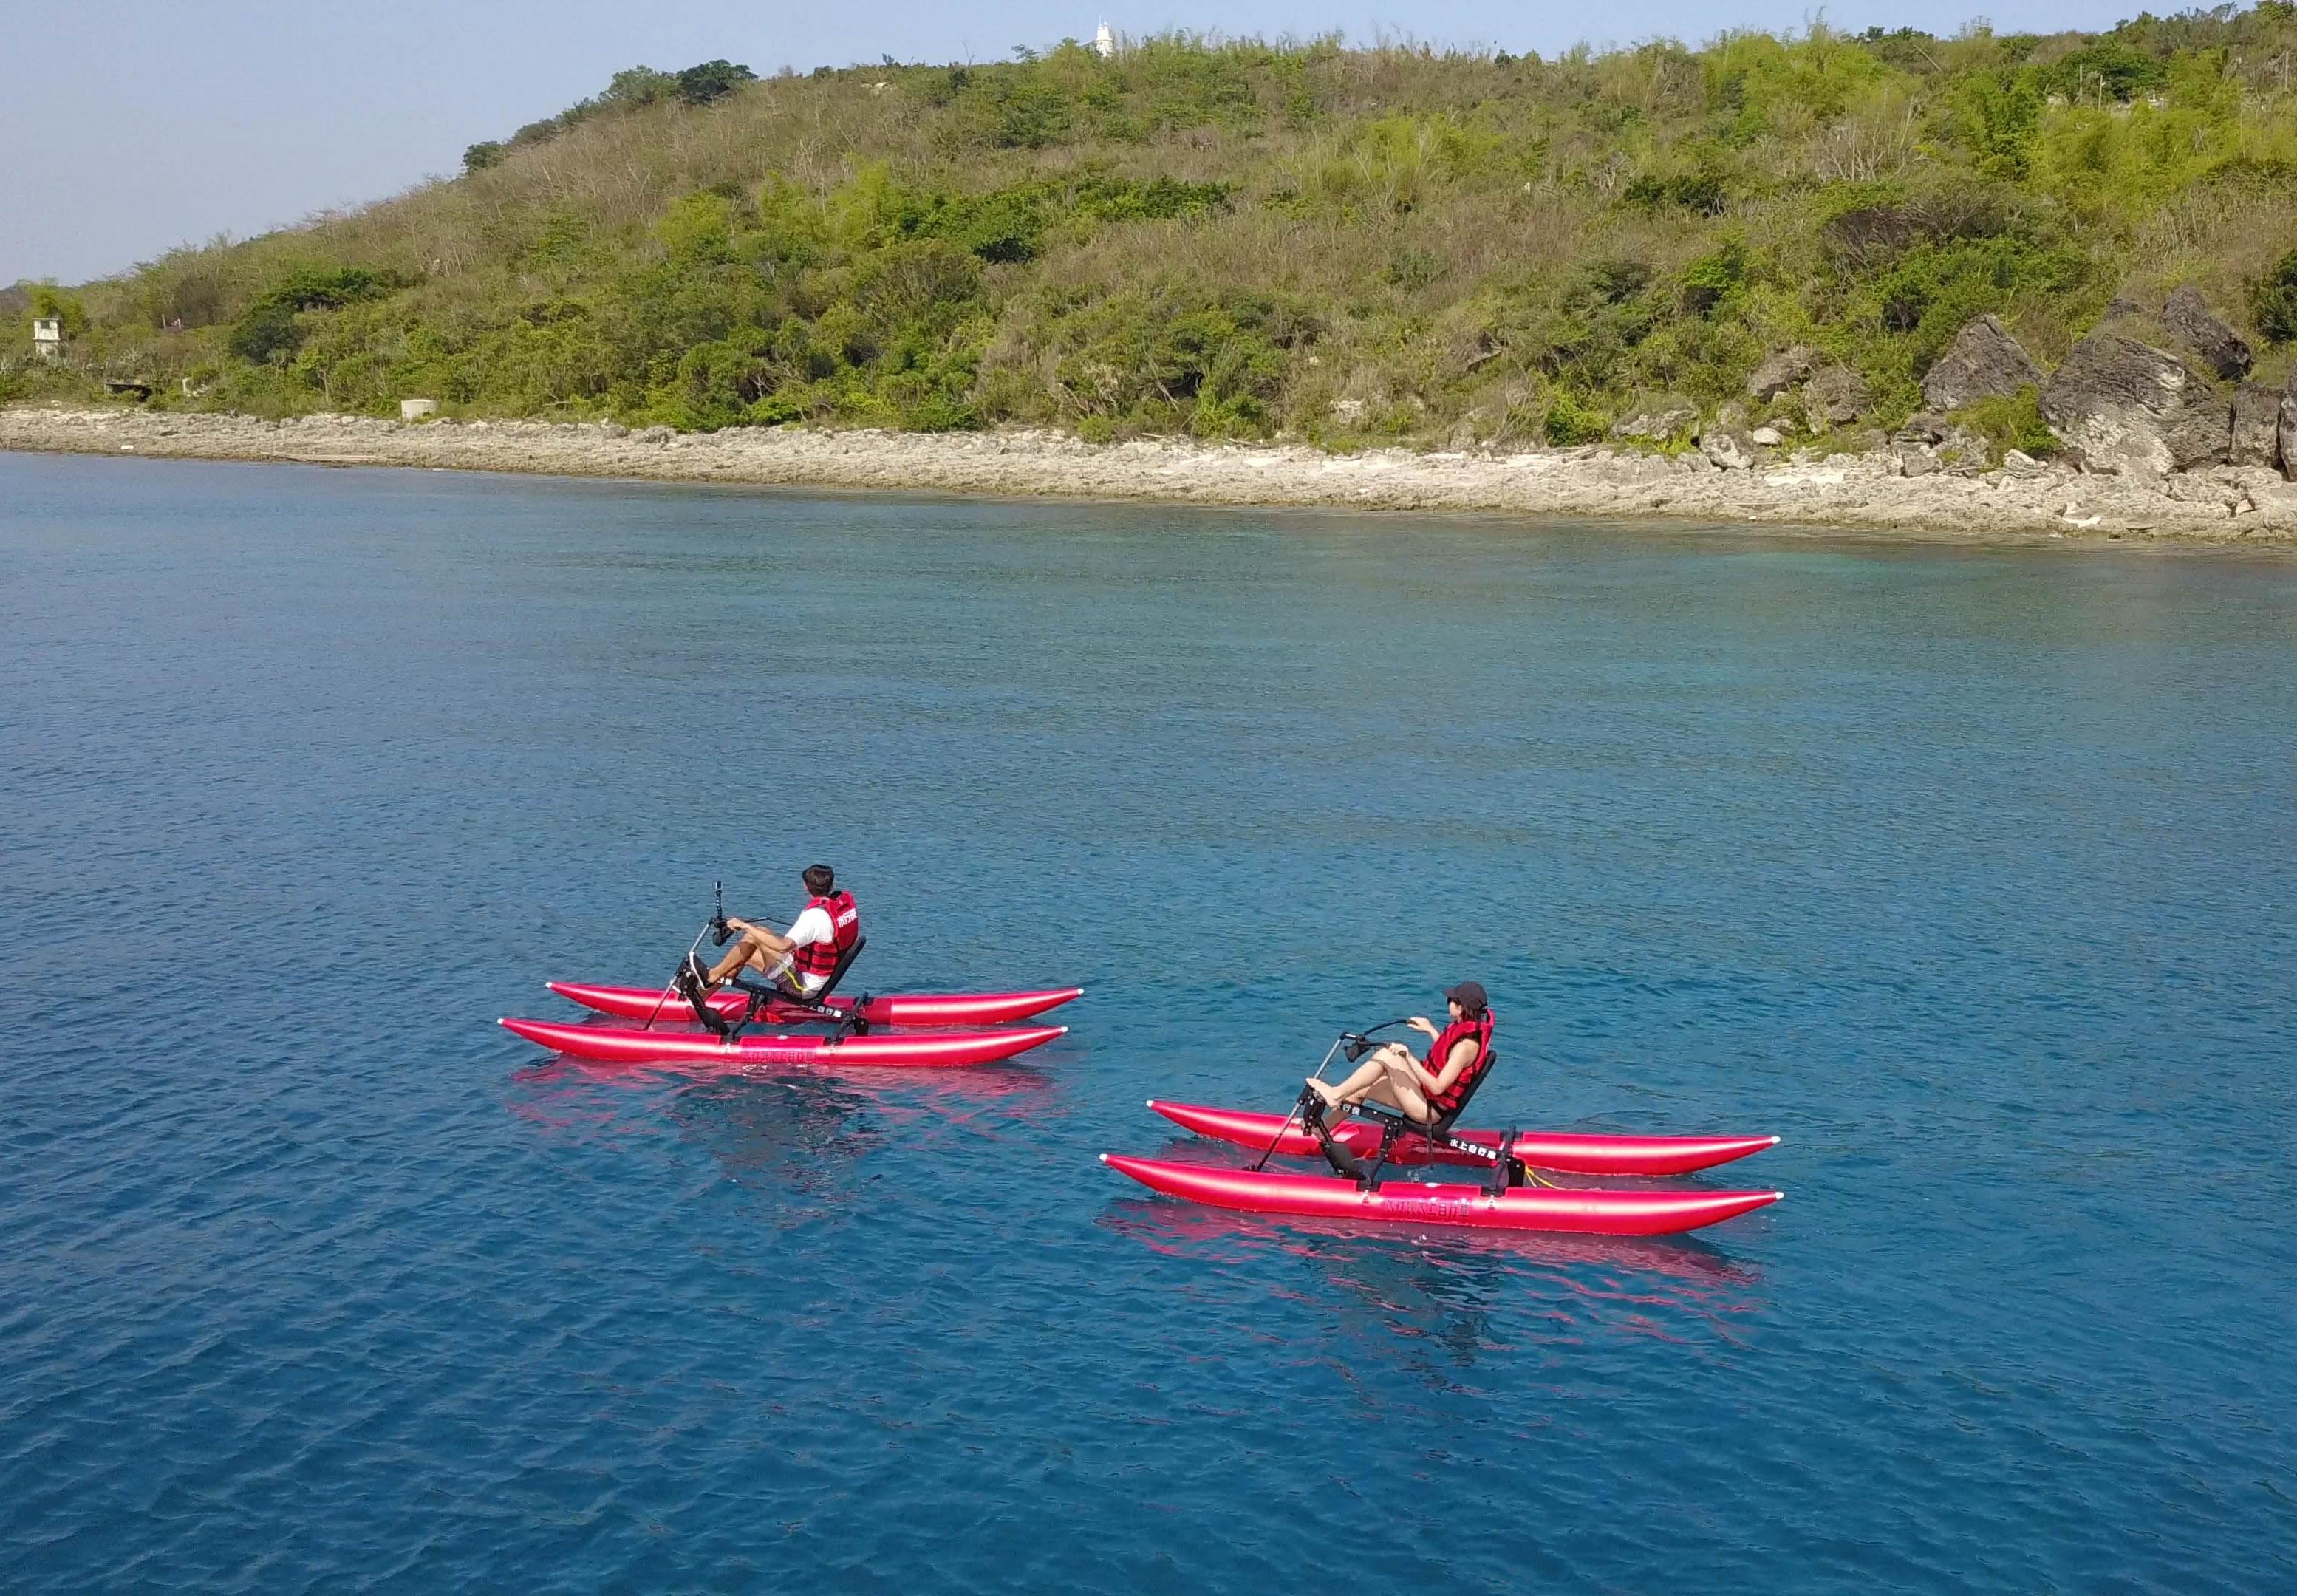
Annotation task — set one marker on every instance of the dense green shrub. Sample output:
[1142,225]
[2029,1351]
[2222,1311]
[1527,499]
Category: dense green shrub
[2273,301]
[1710,281]
[2105,70]
[1995,117]
[1177,356]
[709,82]
[2012,422]
[1703,192]
[1021,113]
[1010,224]
[1570,420]
[1618,279]
[634,86]
[1932,289]
[273,326]
[50,302]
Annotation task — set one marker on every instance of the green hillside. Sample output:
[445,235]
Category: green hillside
[1247,239]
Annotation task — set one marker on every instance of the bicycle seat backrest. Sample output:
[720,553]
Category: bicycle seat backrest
[1442,1124]
[837,970]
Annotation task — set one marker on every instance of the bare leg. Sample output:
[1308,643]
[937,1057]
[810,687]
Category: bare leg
[1401,1087]
[1373,1079]
[1338,1097]
[745,951]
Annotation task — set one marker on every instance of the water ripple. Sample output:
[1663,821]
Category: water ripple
[1969,873]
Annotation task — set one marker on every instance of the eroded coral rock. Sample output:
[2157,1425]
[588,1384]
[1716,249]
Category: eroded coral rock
[1983,362]
[2201,433]
[2128,409]
[2256,426]
[1779,372]
[1658,420]
[2186,316]
[1836,397]
[1730,447]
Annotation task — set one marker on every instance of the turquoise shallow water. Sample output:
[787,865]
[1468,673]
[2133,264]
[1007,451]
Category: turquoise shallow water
[1969,872]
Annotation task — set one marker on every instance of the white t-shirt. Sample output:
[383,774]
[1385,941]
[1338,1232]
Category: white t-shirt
[809,927]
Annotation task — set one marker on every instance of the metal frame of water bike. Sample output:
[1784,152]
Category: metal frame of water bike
[850,1021]
[1396,1125]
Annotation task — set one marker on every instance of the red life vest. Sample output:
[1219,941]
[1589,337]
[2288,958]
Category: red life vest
[812,963]
[1479,1032]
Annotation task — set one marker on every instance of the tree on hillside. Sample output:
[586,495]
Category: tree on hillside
[270,329]
[51,302]
[633,89]
[712,80]
[639,86]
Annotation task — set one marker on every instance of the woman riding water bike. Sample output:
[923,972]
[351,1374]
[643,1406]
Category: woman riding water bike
[1425,1090]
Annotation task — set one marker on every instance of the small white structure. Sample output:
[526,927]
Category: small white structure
[48,337]
[416,409]
[1104,42]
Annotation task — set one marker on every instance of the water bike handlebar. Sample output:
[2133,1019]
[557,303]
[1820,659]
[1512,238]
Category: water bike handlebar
[1359,1042]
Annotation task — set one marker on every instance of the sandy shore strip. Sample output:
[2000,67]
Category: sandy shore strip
[2226,504]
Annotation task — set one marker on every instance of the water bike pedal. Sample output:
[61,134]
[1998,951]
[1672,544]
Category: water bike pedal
[1344,1163]
[1312,1108]
[690,984]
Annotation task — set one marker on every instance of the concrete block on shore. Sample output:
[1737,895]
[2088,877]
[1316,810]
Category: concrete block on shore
[418,409]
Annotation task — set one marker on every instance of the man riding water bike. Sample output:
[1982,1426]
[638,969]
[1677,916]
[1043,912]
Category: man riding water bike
[797,962]
[1427,1089]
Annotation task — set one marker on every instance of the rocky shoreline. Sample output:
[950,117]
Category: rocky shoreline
[1915,490]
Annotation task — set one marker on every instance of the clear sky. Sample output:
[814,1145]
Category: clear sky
[129,126]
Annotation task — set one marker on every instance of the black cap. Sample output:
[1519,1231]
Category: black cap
[1470,996]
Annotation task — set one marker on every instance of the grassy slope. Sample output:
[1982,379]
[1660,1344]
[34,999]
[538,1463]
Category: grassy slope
[1240,239]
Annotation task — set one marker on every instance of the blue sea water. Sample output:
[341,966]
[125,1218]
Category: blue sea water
[1972,873]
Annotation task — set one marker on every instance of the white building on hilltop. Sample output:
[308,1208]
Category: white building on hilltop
[1104,42]
[48,337]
